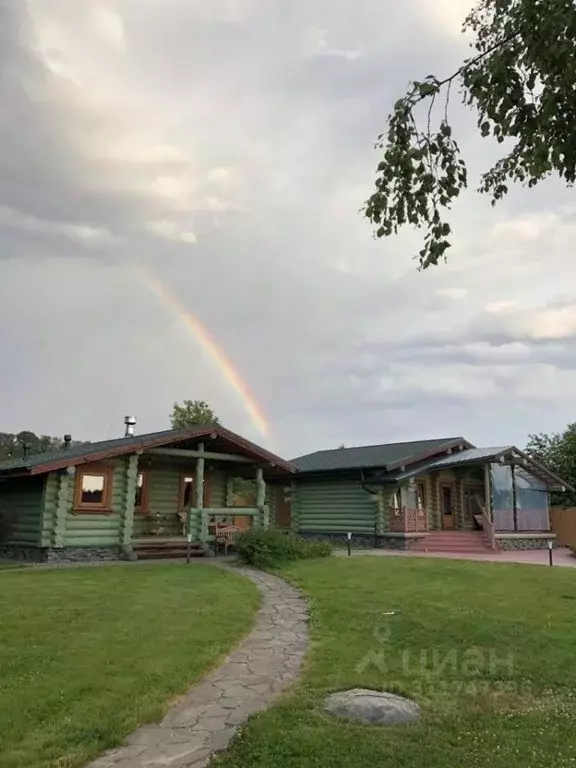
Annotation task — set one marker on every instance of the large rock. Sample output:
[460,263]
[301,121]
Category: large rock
[372,707]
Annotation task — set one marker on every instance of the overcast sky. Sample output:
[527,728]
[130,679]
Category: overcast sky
[225,148]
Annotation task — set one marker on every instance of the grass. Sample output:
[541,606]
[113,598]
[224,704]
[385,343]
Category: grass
[87,654]
[488,650]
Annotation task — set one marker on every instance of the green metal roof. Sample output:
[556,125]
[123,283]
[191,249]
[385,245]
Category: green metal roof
[370,456]
[456,459]
[78,454]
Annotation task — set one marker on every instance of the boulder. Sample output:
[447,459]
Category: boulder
[372,707]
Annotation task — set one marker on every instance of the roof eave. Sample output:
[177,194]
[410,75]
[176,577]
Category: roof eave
[260,454]
[559,481]
[338,470]
[406,462]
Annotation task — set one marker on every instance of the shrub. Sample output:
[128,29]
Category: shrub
[270,547]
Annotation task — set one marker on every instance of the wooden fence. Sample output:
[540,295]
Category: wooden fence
[564,525]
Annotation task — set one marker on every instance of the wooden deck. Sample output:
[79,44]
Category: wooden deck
[165,547]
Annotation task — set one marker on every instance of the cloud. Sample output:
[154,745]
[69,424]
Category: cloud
[172,231]
[132,131]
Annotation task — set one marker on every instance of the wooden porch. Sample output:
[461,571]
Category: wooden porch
[499,497]
[184,501]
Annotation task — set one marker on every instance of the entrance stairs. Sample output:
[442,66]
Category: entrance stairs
[464,542]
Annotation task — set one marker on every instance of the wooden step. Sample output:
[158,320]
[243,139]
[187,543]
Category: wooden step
[465,542]
[149,550]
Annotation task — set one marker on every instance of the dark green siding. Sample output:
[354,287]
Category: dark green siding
[335,506]
[51,490]
[218,488]
[23,498]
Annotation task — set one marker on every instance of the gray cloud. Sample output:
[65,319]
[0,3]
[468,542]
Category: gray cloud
[226,148]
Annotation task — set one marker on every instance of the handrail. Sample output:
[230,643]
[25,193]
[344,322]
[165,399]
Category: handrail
[489,530]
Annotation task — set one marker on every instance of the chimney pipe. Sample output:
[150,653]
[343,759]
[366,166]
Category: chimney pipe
[26,449]
[130,423]
[67,441]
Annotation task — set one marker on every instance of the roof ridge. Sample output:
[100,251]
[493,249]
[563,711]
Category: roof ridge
[383,445]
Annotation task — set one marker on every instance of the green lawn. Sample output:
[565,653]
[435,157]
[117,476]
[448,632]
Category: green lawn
[488,650]
[87,654]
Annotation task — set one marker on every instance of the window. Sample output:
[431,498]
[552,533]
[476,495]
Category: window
[93,487]
[141,500]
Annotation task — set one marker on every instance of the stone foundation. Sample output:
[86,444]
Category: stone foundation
[364,540]
[526,542]
[359,540]
[83,554]
[20,553]
[25,554]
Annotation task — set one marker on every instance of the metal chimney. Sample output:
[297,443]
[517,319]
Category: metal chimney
[67,441]
[130,423]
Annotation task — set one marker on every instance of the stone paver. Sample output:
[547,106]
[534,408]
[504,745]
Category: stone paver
[206,719]
[562,557]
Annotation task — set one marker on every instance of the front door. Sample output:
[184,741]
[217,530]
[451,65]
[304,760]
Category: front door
[283,514]
[447,506]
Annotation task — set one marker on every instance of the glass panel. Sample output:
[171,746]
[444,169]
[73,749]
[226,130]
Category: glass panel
[408,496]
[187,493]
[502,504]
[139,489]
[532,506]
[93,489]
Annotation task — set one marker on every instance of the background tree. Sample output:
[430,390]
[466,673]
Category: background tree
[196,413]
[12,445]
[557,451]
[522,83]
[192,413]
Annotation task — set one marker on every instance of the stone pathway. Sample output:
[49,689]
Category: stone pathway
[205,720]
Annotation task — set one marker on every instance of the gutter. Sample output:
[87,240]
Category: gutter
[363,483]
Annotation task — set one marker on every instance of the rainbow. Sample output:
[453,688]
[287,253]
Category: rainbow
[207,343]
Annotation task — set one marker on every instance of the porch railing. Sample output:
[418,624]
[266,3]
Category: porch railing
[200,521]
[405,520]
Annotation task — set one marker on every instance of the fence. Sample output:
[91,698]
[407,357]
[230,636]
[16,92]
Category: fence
[564,525]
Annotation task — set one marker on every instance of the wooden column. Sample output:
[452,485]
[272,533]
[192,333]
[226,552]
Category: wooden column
[460,496]
[380,500]
[200,478]
[63,505]
[264,517]
[230,492]
[514,502]
[294,507]
[260,487]
[436,502]
[130,498]
[488,493]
